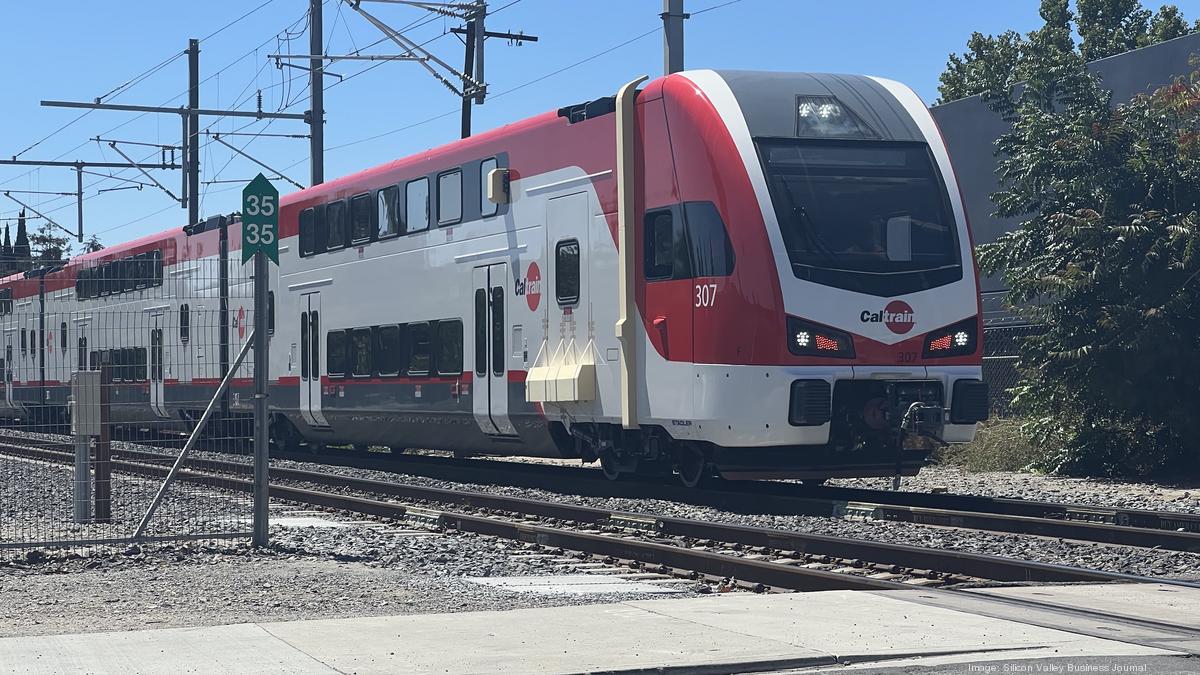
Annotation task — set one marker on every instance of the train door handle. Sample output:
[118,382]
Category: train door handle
[660,324]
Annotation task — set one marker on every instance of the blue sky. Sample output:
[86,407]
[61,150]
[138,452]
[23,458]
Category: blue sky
[82,49]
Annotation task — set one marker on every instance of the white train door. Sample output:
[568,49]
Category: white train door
[310,359]
[158,400]
[489,400]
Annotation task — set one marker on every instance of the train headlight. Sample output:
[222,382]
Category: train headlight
[827,117]
[958,339]
[809,339]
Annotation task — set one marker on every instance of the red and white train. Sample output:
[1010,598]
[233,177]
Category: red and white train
[742,272]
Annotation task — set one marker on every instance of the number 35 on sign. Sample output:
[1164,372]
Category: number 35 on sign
[260,219]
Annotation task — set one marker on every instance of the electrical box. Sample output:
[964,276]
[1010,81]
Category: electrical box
[85,403]
[497,186]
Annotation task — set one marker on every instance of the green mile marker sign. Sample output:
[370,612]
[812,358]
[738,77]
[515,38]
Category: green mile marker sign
[260,219]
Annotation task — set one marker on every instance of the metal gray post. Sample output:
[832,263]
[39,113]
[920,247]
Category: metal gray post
[316,119]
[672,18]
[79,199]
[83,479]
[261,429]
[193,132]
[193,439]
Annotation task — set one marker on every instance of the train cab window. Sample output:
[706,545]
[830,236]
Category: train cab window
[450,197]
[335,353]
[421,338]
[308,233]
[566,272]
[360,219]
[335,220]
[388,211]
[387,350]
[185,323]
[708,240]
[449,347]
[416,205]
[663,243]
[62,336]
[486,206]
[361,364]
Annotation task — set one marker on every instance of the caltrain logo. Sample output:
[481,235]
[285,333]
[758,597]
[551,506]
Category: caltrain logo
[897,316]
[530,286]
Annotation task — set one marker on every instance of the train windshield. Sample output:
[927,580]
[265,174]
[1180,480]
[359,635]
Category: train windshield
[868,217]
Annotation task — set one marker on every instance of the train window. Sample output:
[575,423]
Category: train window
[62,336]
[102,275]
[308,233]
[450,197]
[270,312]
[185,323]
[6,301]
[94,361]
[481,332]
[497,330]
[314,350]
[139,364]
[33,342]
[156,260]
[79,284]
[335,353]
[361,364]
[416,203]
[335,219]
[145,271]
[24,342]
[360,219]
[450,347]
[387,350]
[566,272]
[81,353]
[388,212]
[420,337]
[304,345]
[711,251]
[486,206]
[129,273]
[320,231]
[660,248]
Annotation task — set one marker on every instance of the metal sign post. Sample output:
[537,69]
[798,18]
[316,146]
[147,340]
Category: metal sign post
[260,239]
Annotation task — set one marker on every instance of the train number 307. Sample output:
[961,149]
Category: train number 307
[706,295]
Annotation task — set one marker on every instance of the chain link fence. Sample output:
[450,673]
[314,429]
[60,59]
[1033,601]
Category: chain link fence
[1001,347]
[147,332]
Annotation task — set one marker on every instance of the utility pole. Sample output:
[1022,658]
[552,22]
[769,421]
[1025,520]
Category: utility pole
[193,133]
[474,34]
[672,18]
[316,76]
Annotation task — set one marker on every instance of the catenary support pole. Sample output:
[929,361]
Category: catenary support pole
[468,70]
[193,135]
[261,428]
[79,200]
[316,118]
[672,18]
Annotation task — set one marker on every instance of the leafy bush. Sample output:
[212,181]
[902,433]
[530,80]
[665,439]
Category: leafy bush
[1106,258]
[1000,445]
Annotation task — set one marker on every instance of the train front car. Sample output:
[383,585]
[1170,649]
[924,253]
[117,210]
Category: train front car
[843,338]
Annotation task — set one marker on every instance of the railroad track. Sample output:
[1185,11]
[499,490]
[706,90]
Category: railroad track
[759,558]
[1125,527]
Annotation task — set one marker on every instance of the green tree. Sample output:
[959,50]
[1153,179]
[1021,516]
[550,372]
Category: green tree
[92,245]
[21,256]
[1106,28]
[1107,259]
[50,246]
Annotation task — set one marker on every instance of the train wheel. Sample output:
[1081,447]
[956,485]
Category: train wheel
[691,465]
[284,435]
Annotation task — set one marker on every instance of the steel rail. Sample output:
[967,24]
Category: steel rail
[902,557]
